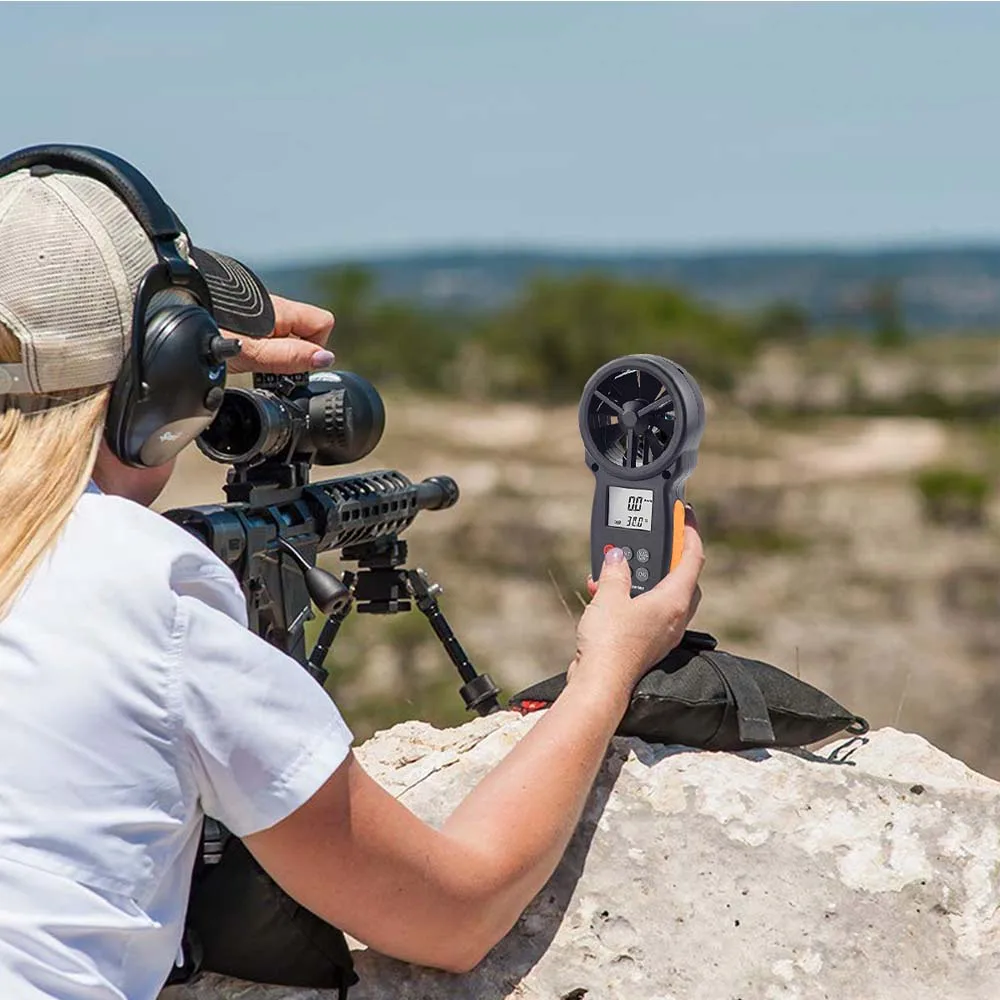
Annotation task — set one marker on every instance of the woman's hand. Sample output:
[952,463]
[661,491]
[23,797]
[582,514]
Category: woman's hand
[297,343]
[620,637]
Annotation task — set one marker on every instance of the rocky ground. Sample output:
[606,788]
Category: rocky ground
[867,871]
[822,560]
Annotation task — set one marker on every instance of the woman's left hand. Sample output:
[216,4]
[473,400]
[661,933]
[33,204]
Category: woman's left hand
[297,343]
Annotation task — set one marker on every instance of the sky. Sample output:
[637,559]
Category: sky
[287,132]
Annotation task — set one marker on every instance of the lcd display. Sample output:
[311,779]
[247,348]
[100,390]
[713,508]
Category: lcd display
[630,508]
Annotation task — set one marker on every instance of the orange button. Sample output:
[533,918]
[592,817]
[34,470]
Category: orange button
[608,548]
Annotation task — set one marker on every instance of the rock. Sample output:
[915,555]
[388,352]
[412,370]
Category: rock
[869,870]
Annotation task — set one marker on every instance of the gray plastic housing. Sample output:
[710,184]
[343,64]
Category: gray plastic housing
[664,475]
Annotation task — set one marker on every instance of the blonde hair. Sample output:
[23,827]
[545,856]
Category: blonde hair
[48,446]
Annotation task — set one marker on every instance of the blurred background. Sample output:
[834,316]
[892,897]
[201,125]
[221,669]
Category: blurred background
[800,203]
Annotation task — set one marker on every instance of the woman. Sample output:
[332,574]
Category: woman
[134,701]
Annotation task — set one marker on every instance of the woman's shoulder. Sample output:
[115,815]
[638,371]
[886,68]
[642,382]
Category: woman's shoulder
[127,523]
[123,537]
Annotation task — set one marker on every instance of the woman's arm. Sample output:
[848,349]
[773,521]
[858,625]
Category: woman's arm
[361,860]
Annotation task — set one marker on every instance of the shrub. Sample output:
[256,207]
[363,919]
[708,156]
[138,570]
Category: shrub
[544,346]
[954,496]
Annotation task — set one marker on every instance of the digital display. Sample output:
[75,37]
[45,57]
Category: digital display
[630,508]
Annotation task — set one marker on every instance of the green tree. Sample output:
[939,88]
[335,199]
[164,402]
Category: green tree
[549,343]
[349,293]
[543,346]
[786,322]
[384,340]
[886,315]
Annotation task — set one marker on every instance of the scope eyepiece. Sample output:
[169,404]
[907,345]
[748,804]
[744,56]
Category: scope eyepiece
[250,424]
[331,418]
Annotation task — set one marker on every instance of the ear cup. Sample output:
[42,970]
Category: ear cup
[186,382]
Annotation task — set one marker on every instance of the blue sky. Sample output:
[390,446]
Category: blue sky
[284,131]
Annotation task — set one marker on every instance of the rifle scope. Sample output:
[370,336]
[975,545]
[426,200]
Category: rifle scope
[330,418]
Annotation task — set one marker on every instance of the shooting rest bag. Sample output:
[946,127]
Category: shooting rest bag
[699,696]
[240,923]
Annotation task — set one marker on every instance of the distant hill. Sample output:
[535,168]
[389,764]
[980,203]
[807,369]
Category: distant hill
[939,288]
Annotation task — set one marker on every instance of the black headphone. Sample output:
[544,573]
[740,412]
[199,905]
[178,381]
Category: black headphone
[172,381]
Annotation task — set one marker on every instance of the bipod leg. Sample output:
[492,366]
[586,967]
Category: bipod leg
[327,634]
[478,692]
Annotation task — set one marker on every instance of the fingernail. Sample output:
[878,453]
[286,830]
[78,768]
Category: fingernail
[614,556]
[322,359]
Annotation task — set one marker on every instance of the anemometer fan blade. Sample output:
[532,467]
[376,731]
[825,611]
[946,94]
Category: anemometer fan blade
[647,386]
[656,446]
[608,398]
[633,448]
[664,404]
[606,438]
[664,423]
[615,454]
[602,419]
[603,425]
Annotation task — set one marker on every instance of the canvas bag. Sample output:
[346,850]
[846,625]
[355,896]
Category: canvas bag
[700,696]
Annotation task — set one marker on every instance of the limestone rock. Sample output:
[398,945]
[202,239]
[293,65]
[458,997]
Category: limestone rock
[867,871]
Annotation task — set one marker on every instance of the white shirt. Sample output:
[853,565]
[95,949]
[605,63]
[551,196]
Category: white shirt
[132,698]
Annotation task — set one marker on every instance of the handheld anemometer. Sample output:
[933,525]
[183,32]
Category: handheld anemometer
[641,418]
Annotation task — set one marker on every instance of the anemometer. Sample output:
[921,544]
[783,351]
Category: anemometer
[641,418]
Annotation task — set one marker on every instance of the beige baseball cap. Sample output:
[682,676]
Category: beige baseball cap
[72,255]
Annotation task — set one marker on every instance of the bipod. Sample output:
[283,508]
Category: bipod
[382,585]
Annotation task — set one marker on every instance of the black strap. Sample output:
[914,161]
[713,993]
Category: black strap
[697,640]
[752,719]
[143,200]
